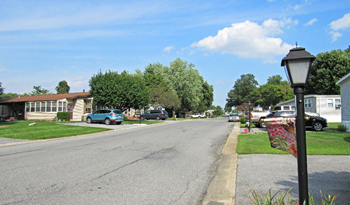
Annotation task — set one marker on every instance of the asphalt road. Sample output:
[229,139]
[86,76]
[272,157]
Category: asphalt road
[170,163]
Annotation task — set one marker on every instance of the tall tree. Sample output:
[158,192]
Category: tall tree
[39,91]
[207,97]
[62,87]
[1,90]
[326,70]
[121,91]
[241,90]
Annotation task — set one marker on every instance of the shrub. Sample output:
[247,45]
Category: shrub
[242,120]
[342,128]
[63,115]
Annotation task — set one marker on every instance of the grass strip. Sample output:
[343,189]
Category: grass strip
[317,143]
[42,130]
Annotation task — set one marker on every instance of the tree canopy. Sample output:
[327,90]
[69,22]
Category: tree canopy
[326,70]
[241,90]
[62,87]
[121,91]
[185,82]
[38,90]
[1,90]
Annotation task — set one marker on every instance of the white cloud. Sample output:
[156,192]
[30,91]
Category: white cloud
[335,35]
[168,49]
[340,24]
[249,40]
[312,21]
[2,70]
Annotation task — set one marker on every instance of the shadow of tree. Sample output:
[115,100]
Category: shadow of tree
[347,139]
[329,182]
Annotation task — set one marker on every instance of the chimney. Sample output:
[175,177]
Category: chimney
[83,90]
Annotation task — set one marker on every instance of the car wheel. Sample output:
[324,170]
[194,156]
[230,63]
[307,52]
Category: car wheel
[317,126]
[107,121]
[262,124]
[142,118]
[157,118]
[89,120]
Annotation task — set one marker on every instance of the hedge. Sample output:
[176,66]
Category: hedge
[63,115]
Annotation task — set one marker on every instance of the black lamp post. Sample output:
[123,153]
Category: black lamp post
[297,64]
[249,115]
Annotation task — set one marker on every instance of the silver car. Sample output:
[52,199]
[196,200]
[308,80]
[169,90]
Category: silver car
[233,117]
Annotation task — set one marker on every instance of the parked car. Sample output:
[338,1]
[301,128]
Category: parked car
[316,123]
[281,113]
[312,120]
[155,114]
[233,117]
[197,115]
[107,116]
[257,116]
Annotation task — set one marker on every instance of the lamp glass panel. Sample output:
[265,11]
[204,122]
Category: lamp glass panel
[298,70]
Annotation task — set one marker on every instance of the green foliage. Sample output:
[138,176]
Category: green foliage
[63,115]
[218,111]
[1,91]
[242,120]
[342,128]
[271,199]
[241,90]
[326,70]
[121,91]
[165,98]
[39,91]
[194,93]
[62,87]
[273,92]
[274,199]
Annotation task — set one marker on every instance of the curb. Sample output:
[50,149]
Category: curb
[222,189]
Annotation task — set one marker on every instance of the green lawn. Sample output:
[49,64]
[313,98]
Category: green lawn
[42,130]
[333,125]
[317,143]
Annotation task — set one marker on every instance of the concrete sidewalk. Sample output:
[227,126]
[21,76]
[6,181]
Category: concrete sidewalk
[237,174]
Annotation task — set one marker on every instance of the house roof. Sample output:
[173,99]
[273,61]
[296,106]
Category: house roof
[343,79]
[46,97]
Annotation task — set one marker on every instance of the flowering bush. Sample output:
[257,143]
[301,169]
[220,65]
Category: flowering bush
[282,135]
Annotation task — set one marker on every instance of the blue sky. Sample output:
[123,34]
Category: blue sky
[44,42]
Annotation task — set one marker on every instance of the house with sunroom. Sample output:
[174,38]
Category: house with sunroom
[45,107]
[328,106]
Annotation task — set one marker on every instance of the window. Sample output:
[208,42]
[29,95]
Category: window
[59,106]
[27,106]
[48,106]
[43,106]
[337,104]
[53,106]
[32,107]
[64,106]
[286,108]
[330,103]
[307,103]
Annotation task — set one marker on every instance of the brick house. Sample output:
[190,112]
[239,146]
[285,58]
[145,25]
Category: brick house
[345,100]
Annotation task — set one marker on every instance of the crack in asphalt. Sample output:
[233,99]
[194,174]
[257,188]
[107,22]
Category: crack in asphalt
[131,163]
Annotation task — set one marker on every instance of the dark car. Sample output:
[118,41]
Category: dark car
[316,123]
[107,116]
[312,120]
[155,114]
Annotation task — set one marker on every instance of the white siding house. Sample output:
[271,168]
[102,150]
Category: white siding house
[328,106]
[45,107]
[345,96]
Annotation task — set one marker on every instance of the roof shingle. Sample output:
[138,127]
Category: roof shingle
[52,97]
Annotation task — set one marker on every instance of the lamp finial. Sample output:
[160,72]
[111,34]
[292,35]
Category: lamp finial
[296,44]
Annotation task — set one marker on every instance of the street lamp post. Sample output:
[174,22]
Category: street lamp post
[249,115]
[297,64]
